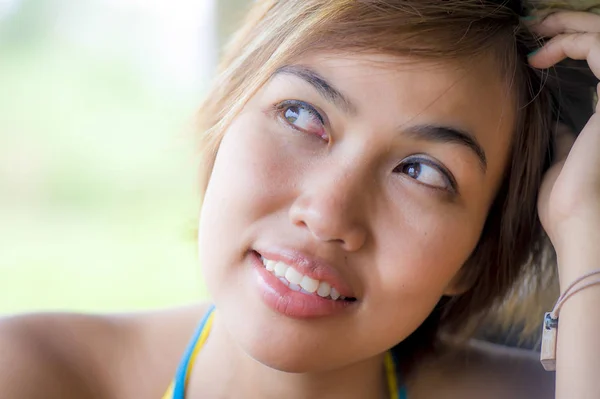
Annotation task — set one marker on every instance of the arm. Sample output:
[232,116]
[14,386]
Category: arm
[578,343]
[569,207]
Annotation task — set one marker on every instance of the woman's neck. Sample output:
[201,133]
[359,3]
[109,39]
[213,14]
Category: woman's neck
[223,370]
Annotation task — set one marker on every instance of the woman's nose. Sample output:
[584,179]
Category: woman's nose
[332,207]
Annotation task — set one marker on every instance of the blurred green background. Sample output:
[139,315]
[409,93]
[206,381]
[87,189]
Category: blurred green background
[98,199]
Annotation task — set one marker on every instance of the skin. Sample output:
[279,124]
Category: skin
[128,356]
[336,190]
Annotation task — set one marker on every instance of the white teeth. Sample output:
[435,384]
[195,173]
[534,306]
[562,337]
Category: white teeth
[293,276]
[309,284]
[269,264]
[334,294]
[299,282]
[324,289]
[280,269]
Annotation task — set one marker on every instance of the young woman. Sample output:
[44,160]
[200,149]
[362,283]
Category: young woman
[372,171]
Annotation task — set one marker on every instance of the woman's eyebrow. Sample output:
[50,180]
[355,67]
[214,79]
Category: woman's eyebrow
[447,134]
[426,132]
[325,89]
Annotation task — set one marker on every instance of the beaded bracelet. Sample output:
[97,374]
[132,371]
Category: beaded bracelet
[550,324]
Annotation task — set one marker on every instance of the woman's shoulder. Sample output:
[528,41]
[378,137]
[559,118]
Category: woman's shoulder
[66,355]
[481,369]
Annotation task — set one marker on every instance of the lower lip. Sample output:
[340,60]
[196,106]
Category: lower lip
[288,302]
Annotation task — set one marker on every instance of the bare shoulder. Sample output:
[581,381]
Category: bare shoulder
[482,369]
[54,355]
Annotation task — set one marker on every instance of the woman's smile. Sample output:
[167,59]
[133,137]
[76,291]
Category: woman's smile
[287,298]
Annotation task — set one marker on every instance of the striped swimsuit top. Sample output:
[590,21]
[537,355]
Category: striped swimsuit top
[177,388]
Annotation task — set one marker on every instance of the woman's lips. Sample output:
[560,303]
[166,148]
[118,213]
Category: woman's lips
[281,298]
[310,266]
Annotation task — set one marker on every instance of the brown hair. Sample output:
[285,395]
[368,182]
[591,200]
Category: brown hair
[512,255]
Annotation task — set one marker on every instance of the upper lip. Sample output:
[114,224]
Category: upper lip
[310,266]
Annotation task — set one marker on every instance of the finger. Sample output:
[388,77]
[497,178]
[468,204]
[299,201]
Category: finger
[578,46]
[557,23]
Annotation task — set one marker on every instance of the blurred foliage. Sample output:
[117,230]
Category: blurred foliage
[97,171]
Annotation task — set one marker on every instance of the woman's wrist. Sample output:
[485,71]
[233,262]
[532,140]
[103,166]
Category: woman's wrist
[578,252]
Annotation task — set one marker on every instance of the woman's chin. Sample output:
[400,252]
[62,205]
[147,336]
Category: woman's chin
[288,353]
[280,342]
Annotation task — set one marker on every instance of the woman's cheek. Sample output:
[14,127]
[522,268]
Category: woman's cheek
[422,248]
[260,166]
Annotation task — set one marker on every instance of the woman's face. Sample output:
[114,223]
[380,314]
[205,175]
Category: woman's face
[365,175]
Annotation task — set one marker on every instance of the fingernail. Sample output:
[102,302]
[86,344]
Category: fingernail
[534,52]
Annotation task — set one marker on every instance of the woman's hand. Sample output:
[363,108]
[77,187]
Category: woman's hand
[569,208]
[569,201]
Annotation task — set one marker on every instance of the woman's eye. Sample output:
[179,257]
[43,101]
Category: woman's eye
[303,117]
[427,174]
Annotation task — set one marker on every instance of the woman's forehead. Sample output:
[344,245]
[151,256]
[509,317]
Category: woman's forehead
[434,83]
